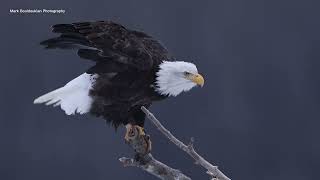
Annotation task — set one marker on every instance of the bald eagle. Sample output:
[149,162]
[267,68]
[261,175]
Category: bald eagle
[131,70]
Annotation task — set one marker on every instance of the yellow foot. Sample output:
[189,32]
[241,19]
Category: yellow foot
[141,130]
[135,134]
[131,130]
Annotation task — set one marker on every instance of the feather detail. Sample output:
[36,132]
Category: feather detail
[73,97]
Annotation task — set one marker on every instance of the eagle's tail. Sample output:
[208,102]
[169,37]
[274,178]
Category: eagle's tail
[73,97]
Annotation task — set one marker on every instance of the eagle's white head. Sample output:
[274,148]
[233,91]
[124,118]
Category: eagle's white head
[175,77]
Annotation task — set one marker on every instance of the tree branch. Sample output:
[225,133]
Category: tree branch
[155,168]
[213,171]
[143,159]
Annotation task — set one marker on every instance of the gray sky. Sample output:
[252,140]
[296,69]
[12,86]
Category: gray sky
[257,117]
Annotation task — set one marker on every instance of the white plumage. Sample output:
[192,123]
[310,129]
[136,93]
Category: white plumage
[171,79]
[73,97]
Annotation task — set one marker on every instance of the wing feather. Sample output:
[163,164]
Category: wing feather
[105,40]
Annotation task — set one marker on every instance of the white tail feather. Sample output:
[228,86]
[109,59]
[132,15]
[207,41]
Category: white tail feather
[73,97]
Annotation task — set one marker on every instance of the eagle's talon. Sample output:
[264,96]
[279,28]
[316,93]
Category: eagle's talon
[126,138]
[135,132]
[129,133]
[149,143]
[140,130]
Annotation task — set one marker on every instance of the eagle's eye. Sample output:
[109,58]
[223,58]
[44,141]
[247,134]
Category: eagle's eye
[186,73]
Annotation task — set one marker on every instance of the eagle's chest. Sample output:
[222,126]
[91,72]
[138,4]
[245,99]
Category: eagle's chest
[129,87]
[122,96]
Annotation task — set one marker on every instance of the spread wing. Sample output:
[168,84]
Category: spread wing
[105,42]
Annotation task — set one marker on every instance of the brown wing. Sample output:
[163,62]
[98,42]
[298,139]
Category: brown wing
[105,40]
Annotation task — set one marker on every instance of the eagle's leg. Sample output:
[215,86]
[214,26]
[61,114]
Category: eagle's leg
[136,135]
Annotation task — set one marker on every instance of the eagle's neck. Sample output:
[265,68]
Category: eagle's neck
[170,79]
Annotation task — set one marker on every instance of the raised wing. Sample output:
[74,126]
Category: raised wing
[103,41]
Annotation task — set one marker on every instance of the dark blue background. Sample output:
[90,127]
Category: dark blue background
[257,117]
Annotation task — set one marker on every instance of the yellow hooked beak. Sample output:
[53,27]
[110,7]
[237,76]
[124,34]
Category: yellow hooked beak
[197,78]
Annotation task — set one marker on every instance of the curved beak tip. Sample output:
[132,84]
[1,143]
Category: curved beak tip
[199,80]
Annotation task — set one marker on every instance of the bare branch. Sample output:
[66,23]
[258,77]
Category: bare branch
[140,142]
[155,168]
[213,171]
